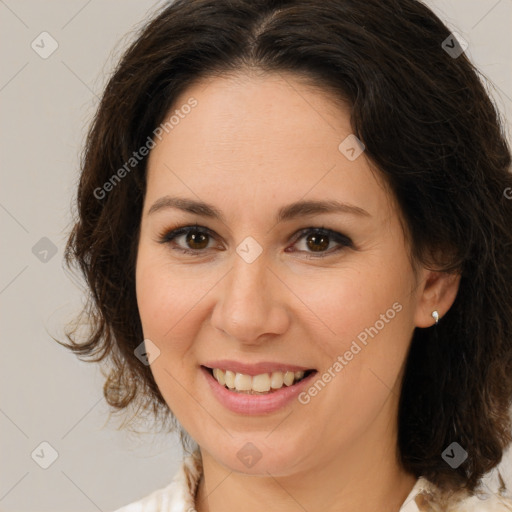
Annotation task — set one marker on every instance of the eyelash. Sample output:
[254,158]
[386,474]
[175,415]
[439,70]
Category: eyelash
[169,236]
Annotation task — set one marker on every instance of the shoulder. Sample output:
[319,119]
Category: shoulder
[178,496]
[429,499]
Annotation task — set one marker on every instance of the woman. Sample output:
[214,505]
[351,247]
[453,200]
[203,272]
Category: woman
[293,219]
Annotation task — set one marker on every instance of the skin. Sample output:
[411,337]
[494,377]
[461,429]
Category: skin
[253,144]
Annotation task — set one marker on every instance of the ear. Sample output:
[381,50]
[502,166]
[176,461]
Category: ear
[437,292]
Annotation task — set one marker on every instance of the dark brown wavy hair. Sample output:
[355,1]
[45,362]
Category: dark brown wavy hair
[430,128]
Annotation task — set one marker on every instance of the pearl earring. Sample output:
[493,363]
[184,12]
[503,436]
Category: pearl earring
[435,316]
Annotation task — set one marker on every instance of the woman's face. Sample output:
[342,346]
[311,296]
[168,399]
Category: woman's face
[255,170]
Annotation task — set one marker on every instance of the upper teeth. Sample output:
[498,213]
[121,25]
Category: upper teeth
[261,383]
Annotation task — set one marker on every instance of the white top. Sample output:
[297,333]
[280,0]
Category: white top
[178,496]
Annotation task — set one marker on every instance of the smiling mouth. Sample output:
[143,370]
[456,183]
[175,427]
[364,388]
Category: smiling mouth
[262,384]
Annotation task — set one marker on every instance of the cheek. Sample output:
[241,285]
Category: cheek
[167,310]
[162,304]
[164,297]
[365,330]
[352,302]
[360,378]
[155,299]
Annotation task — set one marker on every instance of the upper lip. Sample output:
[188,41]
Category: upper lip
[254,368]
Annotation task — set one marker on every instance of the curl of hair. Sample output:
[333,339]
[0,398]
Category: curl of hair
[428,125]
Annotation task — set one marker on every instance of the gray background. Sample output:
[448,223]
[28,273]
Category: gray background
[46,104]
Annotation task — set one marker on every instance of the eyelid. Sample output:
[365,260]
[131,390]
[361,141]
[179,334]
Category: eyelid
[343,241]
[169,234]
[335,235]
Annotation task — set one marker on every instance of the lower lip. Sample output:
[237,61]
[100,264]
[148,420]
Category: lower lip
[243,403]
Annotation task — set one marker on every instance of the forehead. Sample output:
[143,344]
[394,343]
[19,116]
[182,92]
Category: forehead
[279,110]
[260,135]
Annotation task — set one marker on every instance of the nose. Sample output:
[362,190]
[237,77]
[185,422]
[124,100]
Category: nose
[250,304]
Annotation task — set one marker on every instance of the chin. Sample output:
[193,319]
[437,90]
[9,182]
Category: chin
[259,454]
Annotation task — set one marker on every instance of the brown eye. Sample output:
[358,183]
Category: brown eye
[188,239]
[197,240]
[317,242]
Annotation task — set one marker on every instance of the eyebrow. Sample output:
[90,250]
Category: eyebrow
[288,212]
